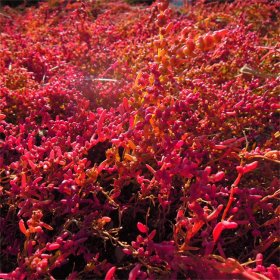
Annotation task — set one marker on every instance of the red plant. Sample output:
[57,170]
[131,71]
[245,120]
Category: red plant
[139,142]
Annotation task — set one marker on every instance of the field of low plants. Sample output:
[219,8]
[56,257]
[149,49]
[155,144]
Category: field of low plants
[140,142]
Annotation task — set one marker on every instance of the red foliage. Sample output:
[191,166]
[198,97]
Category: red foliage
[139,142]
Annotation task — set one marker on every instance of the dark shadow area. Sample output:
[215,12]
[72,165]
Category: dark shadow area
[16,3]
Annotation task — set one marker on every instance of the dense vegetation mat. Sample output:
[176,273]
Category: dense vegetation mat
[139,142]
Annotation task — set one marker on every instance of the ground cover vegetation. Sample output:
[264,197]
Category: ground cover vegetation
[139,142]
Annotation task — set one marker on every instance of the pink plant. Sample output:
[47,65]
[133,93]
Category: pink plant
[139,142]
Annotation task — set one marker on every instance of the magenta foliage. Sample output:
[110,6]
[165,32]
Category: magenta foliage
[139,142]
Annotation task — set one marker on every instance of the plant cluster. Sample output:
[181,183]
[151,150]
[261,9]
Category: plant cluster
[140,142]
